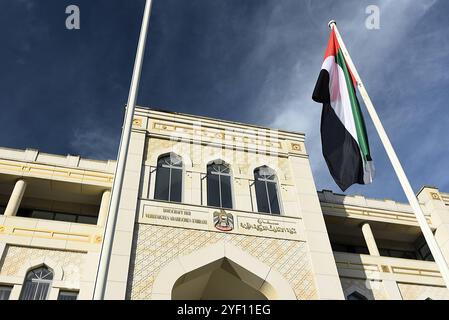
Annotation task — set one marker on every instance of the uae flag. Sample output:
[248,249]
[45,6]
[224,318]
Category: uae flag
[343,131]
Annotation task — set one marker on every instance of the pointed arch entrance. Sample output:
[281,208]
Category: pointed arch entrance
[220,271]
[219,280]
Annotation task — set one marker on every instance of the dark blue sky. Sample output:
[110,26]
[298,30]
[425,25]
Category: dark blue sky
[63,91]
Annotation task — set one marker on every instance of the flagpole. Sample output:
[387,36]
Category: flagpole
[427,232]
[105,255]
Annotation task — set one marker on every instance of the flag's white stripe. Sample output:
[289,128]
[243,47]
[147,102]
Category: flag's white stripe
[341,104]
[339,95]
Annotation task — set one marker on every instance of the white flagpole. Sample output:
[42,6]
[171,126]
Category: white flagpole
[105,255]
[428,235]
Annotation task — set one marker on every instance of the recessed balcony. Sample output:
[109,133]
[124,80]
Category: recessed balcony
[44,199]
[370,267]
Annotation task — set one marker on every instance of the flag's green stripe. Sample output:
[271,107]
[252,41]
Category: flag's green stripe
[356,112]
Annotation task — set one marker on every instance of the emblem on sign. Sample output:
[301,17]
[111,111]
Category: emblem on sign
[223,221]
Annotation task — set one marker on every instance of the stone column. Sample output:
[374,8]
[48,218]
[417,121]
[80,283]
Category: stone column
[16,198]
[388,280]
[104,208]
[369,239]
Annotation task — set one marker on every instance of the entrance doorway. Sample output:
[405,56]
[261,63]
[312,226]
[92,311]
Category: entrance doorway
[220,280]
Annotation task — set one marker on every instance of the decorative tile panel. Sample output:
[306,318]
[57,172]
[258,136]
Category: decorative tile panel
[422,292]
[15,257]
[156,246]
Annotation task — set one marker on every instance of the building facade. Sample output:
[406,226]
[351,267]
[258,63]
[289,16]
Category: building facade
[209,209]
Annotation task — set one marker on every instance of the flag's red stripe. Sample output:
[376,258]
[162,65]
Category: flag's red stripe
[332,48]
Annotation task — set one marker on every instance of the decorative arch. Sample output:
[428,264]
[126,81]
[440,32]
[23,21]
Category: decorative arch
[218,157]
[58,272]
[260,276]
[186,159]
[271,164]
[218,161]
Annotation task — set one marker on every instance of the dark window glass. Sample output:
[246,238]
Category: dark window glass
[226,194]
[2,209]
[87,219]
[261,197]
[356,296]
[359,249]
[67,295]
[169,178]
[219,189]
[398,254]
[65,217]
[162,183]
[213,190]
[338,247]
[5,292]
[58,216]
[265,183]
[47,215]
[349,248]
[176,185]
[23,212]
[423,251]
[37,284]
[273,194]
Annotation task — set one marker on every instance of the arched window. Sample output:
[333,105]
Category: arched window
[37,284]
[265,182]
[219,192]
[356,296]
[169,178]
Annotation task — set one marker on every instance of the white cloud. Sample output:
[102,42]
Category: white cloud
[95,142]
[296,111]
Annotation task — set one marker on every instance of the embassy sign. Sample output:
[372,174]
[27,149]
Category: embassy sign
[220,220]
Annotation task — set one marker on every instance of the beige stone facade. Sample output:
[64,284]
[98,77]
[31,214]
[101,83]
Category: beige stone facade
[313,245]
[53,214]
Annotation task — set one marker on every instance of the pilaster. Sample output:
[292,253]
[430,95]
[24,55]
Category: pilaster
[322,259]
[433,202]
[124,230]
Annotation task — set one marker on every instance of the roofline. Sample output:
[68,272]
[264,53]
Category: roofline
[427,186]
[220,120]
[379,199]
[106,162]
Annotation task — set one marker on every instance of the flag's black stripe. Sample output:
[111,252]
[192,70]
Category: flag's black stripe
[340,149]
[321,91]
